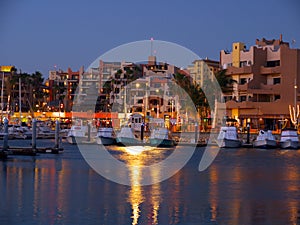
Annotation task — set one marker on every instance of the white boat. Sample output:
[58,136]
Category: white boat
[227,138]
[20,132]
[44,131]
[126,137]
[265,139]
[289,139]
[161,137]
[80,133]
[105,136]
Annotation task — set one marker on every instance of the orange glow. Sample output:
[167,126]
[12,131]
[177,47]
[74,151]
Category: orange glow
[6,68]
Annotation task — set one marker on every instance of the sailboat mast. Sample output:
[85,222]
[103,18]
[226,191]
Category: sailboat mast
[20,102]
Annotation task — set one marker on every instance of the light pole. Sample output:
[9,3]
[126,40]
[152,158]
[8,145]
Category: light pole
[2,103]
[4,69]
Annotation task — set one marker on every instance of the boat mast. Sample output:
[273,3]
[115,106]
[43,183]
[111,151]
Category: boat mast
[20,102]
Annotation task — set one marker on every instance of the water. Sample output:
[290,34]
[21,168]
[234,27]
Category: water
[242,186]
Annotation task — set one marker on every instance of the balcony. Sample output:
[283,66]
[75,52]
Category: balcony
[239,70]
[270,70]
[243,87]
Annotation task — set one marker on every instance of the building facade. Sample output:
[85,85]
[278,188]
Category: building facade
[62,88]
[267,79]
[203,69]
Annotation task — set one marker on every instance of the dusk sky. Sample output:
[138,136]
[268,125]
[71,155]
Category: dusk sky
[38,34]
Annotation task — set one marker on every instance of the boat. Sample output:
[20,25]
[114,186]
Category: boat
[227,138]
[105,136]
[265,139]
[289,139]
[20,132]
[79,134]
[44,131]
[161,137]
[126,137]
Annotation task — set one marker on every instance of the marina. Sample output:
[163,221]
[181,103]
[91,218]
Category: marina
[237,188]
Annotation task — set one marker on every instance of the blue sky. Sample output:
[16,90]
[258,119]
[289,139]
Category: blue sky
[38,34]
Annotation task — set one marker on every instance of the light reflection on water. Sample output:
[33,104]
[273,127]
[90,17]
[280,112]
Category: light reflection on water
[136,197]
[244,186]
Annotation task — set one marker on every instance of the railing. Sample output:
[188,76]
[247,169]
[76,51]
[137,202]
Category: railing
[270,70]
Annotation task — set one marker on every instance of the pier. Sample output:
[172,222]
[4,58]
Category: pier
[32,150]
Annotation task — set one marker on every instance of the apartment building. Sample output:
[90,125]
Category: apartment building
[203,69]
[267,79]
[62,88]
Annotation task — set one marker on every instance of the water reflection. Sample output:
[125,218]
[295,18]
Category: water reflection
[255,188]
[240,187]
[136,195]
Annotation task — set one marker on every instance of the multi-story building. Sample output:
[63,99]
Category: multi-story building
[62,88]
[203,69]
[267,78]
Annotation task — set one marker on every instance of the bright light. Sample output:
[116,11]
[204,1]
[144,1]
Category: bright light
[134,150]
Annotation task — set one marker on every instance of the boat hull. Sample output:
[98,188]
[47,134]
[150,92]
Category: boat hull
[289,144]
[78,140]
[105,140]
[265,144]
[125,141]
[229,143]
[162,142]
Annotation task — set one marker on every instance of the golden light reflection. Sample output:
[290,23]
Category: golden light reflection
[136,195]
[213,193]
[155,197]
[134,150]
[294,213]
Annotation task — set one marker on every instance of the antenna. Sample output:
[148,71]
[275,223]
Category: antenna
[152,39]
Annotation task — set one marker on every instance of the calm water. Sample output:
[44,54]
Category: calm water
[244,186]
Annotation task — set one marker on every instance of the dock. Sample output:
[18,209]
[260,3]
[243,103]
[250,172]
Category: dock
[32,150]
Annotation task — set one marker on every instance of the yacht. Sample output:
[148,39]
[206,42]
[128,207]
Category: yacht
[265,139]
[289,139]
[161,137]
[126,137]
[105,136]
[228,138]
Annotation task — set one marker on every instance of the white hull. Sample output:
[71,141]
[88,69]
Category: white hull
[127,141]
[228,143]
[79,140]
[265,144]
[288,144]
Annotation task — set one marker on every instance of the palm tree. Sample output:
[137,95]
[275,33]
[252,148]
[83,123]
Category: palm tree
[225,81]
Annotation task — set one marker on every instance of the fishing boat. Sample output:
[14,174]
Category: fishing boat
[161,137]
[265,139]
[228,138]
[105,136]
[289,139]
[126,137]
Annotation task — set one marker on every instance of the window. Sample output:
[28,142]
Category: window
[276,80]
[243,63]
[243,98]
[243,81]
[276,97]
[273,63]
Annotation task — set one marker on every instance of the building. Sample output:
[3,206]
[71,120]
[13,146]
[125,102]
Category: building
[62,88]
[203,69]
[267,78]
